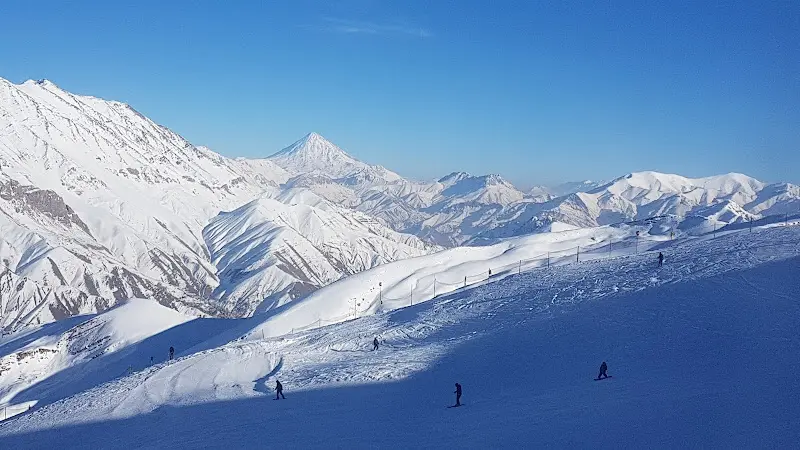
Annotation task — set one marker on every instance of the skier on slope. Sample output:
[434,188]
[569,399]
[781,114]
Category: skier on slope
[660,259]
[279,390]
[375,344]
[171,353]
[603,369]
[458,394]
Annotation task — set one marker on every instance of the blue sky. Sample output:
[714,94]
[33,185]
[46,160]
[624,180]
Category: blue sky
[538,92]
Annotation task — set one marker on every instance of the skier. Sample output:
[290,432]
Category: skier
[279,390]
[375,344]
[660,259]
[603,369]
[458,394]
[171,353]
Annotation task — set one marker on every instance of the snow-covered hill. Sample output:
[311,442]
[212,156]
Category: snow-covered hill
[719,317]
[278,248]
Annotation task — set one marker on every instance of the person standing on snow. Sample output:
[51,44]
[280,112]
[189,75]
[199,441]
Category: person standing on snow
[279,390]
[171,353]
[375,344]
[660,259]
[458,394]
[603,369]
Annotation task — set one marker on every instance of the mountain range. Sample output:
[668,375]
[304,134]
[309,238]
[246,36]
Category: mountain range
[99,204]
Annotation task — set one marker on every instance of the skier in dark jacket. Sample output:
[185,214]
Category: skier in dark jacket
[279,390]
[603,369]
[458,394]
[171,353]
[375,343]
[660,259]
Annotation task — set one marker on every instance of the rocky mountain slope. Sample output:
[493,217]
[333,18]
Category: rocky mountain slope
[99,203]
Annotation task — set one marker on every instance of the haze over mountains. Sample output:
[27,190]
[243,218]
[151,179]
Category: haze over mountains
[99,204]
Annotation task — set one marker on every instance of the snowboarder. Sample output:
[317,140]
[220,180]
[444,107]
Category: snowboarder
[375,344]
[660,259]
[171,353]
[151,360]
[458,395]
[603,369]
[279,390]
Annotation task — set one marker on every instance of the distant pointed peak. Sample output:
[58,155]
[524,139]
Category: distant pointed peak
[313,147]
[313,136]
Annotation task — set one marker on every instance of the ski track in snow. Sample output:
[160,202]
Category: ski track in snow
[541,313]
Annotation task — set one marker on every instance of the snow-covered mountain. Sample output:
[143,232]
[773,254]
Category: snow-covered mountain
[99,204]
[315,154]
[711,202]
[461,208]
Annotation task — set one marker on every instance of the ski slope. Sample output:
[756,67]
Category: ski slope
[402,283]
[703,354]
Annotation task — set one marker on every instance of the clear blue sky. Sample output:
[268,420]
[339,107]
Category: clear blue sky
[537,92]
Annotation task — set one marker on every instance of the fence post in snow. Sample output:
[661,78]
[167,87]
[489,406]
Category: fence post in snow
[548,260]
[465,281]
[412,296]
[520,267]
[578,254]
[434,287]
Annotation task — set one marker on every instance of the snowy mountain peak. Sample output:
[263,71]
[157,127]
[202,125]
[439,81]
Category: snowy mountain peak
[41,82]
[495,179]
[454,177]
[313,145]
[314,153]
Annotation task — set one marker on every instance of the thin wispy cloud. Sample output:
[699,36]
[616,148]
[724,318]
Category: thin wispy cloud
[345,26]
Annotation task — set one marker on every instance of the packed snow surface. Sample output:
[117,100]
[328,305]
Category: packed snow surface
[702,354]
